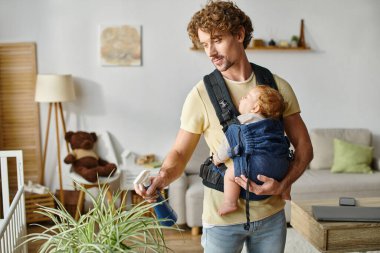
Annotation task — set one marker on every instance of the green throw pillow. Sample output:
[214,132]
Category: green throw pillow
[351,158]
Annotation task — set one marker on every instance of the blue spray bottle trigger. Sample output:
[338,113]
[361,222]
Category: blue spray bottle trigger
[162,210]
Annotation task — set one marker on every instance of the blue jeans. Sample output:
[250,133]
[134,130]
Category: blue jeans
[264,236]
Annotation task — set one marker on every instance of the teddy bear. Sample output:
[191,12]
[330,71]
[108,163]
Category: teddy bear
[84,159]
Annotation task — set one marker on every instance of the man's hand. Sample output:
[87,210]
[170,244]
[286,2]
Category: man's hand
[150,194]
[173,165]
[270,186]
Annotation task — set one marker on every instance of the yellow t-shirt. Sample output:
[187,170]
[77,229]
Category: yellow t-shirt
[198,116]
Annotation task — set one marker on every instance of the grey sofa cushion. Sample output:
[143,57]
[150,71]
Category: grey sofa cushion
[323,183]
[194,201]
[177,192]
[323,145]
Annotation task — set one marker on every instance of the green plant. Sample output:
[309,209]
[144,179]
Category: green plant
[104,228]
[294,38]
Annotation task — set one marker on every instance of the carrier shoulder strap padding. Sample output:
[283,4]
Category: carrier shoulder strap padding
[220,99]
[227,114]
[264,76]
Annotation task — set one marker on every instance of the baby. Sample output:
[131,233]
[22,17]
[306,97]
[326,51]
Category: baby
[260,138]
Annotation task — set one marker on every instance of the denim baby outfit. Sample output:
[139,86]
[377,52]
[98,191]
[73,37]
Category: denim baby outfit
[259,148]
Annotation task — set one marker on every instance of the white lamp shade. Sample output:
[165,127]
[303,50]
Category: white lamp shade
[54,88]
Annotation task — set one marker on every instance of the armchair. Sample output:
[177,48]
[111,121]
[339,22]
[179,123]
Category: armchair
[104,149]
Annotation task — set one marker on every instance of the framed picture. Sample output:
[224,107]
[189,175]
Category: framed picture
[120,45]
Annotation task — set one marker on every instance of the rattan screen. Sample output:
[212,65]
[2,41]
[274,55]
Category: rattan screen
[19,113]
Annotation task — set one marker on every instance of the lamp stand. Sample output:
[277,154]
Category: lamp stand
[57,110]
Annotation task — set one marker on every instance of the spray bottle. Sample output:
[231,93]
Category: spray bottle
[163,210]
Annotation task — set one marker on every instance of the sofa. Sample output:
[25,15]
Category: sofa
[318,182]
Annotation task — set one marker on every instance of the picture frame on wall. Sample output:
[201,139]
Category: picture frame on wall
[120,45]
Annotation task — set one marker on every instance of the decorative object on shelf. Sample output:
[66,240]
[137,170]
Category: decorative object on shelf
[294,41]
[120,45]
[301,41]
[272,43]
[257,43]
[283,44]
[54,89]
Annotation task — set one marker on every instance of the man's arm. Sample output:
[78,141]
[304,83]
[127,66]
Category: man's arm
[298,135]
[174,163]
[303,154]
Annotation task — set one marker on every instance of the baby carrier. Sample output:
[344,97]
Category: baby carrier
[267,153]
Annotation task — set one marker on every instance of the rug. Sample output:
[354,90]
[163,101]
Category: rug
[296,243]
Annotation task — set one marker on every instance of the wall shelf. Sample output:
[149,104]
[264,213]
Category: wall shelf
[302,46]
[268,49]
[280,48]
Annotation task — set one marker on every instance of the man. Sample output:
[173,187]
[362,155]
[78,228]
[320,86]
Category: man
[225,31]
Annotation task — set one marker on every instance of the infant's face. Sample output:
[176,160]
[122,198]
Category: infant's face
[248,103]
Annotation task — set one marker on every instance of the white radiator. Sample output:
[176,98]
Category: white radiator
[13,224]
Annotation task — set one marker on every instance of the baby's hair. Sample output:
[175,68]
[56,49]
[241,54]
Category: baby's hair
[271,102]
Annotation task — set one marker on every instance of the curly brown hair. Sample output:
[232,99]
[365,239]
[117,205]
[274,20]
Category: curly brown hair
[270,101]
[220,16]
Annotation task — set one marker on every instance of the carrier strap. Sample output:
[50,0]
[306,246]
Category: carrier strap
[264,76]
[247,225]
[220,99]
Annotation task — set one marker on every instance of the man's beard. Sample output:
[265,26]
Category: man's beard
[226,64]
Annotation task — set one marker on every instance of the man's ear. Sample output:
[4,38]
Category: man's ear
[241,34]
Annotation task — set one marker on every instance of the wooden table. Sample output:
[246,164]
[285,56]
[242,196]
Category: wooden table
[336,236]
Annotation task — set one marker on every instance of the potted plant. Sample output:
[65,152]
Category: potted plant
[294,41]
[104,228]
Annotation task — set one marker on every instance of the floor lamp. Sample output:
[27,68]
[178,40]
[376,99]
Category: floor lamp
[54,89]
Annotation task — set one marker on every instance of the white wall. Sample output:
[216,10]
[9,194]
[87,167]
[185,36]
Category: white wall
[140,106]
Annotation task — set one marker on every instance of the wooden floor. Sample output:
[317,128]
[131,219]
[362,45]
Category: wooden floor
[179,242]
